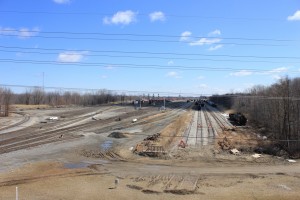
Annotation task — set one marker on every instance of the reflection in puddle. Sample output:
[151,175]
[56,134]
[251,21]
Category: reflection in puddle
[76,165]
[106,145]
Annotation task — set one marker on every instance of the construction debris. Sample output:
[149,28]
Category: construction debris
[149,146]
[153,137]
[291,161]
[225,144]
[256,155]
[182,144]
[53,118]
[235,151]
[95,118]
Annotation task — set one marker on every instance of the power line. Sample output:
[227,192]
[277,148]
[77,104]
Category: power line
[142,14]
[145,57]
[154,53]
[135,66]
[143,35]
[97,90]
[145,40]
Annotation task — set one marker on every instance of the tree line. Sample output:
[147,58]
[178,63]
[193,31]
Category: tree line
[276,108]
[37,96]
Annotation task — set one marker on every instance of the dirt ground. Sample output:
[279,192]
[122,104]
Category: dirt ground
[95,166]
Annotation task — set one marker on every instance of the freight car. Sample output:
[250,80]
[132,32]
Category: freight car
[211,103]
[238,118]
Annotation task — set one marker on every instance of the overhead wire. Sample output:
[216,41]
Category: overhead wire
[142,14]
[152,53]
[143,35]
[136,66]
[142,57]
[148,40]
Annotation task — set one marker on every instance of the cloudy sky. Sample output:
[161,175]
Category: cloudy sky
[192,46]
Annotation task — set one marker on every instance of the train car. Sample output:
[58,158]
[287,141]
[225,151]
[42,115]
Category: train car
[238,118]
[211,103]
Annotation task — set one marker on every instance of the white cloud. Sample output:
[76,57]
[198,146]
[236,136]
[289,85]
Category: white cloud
[185,36]
[241,73]
[276,77]
[275,71]
[26,33]
[295,16]
[62,1]
[121,17]
[104,77]
[170,62]
[202,86]
[109,67]
[7,31]
[278,70]
[213,48]
[200,77]
[71,56]
[22,33]
[20,54]
[157,16]
[215,32]
[173,74]
[205,41]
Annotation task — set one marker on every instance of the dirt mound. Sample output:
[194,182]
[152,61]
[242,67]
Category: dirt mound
[117,135]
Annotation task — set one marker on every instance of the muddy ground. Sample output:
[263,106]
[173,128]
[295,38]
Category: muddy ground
[95,166]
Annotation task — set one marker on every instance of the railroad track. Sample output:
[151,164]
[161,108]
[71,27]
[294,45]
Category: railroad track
[24,120]
[43,137]
[188,131]
[221,121]
[208,124]
[210,130]
[38,137]
[199,133]
[80,118]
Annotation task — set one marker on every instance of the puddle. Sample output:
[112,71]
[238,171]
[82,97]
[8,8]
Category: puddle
[76,165]
[106,145]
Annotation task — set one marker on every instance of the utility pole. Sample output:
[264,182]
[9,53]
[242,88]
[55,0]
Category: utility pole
[43,82]
[140,102]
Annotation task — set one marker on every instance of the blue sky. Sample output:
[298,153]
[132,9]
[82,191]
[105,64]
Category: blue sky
[191,46]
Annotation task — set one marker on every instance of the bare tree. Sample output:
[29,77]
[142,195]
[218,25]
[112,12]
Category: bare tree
[6,97]
[37,96]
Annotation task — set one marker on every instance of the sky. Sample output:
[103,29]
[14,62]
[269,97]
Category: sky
[198,47]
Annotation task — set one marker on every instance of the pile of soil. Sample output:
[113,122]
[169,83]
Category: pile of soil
[117,135]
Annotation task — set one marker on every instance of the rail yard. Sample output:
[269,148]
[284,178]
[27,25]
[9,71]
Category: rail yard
[123,151]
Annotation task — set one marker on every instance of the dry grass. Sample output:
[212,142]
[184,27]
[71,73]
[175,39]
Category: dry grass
[155,116]
[29,107]
[174,130]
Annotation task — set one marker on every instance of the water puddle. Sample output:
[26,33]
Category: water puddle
[106,145]
[76,165]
